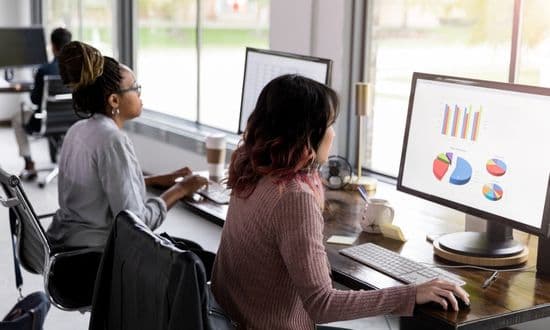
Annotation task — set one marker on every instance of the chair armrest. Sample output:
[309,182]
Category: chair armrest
[43,216]
[77,252]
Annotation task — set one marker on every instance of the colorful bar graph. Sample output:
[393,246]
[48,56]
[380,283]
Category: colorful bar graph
[462,123]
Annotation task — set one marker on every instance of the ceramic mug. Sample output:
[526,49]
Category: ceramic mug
[377,212]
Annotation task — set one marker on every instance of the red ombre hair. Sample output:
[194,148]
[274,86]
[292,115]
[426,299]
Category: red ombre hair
[283,132]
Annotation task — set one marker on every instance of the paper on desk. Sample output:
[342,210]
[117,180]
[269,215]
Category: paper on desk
[392,231]
[343,240]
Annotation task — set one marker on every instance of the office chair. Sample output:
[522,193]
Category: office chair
[69,275]
[145,282]
[54,118]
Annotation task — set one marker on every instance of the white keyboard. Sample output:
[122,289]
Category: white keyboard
[216,192]
[397,266]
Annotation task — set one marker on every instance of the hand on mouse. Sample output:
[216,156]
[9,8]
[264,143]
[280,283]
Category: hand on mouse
[441,292]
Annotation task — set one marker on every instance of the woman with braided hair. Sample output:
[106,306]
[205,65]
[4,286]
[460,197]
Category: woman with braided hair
[99,174]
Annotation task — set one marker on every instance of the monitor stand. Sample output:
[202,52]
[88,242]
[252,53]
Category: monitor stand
[494,247]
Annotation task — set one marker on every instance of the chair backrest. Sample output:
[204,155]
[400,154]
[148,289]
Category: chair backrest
[57,107]
[145,282]
[33,247]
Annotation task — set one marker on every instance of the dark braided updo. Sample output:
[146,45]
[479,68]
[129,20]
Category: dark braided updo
[92,77]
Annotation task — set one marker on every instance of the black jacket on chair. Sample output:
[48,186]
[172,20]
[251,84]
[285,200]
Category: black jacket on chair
[145,282]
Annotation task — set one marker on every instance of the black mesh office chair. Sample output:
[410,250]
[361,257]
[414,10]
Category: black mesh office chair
[69,275]
[52,121]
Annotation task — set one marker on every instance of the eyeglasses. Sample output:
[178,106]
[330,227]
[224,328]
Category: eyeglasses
[135,88]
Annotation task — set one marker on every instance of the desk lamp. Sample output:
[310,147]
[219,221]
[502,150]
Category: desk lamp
[363,92]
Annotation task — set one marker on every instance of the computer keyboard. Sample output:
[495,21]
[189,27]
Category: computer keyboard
[216,192]
[397,266]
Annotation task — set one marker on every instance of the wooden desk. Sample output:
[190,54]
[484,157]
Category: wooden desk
[513,298]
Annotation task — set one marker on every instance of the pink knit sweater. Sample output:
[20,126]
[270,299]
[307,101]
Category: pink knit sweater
[272,272]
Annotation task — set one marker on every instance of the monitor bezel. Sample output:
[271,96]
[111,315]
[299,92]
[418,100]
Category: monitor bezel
[43,55]
[544,230]
[309,58]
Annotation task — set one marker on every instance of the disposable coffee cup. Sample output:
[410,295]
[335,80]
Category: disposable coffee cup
[215,156]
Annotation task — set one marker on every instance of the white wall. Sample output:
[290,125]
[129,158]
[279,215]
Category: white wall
[13,13]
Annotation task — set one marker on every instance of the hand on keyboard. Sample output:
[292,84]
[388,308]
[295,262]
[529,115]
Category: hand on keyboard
[433,284]
[216,192]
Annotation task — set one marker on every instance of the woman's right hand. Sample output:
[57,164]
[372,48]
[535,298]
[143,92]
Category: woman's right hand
[441,292]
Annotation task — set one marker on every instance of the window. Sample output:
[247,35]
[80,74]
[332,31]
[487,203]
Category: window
[227,30]
[455,37]
[168,56]
[534,54]
[95,27]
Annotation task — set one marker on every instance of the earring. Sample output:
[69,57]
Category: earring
[115,112]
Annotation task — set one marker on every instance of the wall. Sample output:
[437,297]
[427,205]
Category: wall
[13,13]
[318,28]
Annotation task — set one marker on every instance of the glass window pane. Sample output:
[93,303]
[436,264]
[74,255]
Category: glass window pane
[462,38]
[228,27]
[534,54]
[88,20]
[167,57]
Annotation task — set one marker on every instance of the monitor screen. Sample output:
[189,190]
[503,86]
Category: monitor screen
[262,66]
[22,47]
[478,146]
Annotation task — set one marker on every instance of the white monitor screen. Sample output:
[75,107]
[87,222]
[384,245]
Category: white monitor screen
[479,146]
[262,66]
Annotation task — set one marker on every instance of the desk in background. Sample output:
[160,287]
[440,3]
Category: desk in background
[17,87]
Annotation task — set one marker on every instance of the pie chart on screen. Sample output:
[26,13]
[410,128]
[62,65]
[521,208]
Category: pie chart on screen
[459,168]
[492,191]
[496,167]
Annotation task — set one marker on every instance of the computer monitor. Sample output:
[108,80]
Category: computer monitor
[479,147]
[262,66]
[22,46]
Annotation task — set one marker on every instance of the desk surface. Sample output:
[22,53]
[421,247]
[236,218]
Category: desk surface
[513,298]
[17,87]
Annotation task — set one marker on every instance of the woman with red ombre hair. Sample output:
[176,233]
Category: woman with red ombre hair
[271,270]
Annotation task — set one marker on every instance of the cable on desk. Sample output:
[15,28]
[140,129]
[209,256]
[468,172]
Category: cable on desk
[488,281]
[521,269]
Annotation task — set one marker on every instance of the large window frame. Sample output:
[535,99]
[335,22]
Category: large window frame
[125,48]
[363,25]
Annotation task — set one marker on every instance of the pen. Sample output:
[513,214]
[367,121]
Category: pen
[363,193]
[490,280]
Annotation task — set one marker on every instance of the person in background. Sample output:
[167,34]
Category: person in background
[26,123]
[99,174]
[271,270]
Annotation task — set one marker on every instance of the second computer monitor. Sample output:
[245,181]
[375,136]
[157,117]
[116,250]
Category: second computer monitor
[22,47]
[262,66]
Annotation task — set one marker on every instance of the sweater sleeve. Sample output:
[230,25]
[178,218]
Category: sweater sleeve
[298,226]
[123,183]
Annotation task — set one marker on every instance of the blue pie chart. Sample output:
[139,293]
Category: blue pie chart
[462,172]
